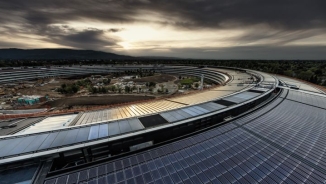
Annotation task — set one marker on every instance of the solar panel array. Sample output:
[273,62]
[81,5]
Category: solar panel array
[65,137]
[37,142]
[164,105]
[291,129]
[283,142]
[241,97]
[310,99]
[190,112]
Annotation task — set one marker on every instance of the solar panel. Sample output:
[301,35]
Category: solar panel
[183,113]
[62,180]
[82,134]
[191,112]
[59,139]
[235,99]
[114,128]
[177,116]
[169,117]
[83,176]
[103,130]
[72,178]
[10,144]
[36,143]
[207,107]
[22,145]
[70,137]
[201,110]
[124,126]
[135,124]
[225,102]
[93,133]
[153,120]
[48,141]
[93,173]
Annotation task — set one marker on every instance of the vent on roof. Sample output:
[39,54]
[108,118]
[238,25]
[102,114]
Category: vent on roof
[154,120]
[224,102]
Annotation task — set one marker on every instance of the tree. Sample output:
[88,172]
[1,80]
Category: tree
[93,90]
[152,84]
[319,72]
[68,90]
[134,88]
[87,81]
[104,90]
[127,89]
[106,81]
[324,83]
[113,88]
[311,79]
[316,79]
[288,73]
[74,88]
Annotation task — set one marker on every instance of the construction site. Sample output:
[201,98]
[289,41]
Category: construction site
[92,91]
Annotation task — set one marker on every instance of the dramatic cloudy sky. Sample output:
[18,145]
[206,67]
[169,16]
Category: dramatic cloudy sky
[219,29]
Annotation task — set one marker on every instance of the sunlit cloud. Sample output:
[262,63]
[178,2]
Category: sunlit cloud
[177,28]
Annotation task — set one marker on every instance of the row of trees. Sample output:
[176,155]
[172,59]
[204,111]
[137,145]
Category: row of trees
[68,89]
[85,83]
[104,90]
[150,84]
[74,87]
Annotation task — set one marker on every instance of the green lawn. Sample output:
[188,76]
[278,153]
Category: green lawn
[189,81]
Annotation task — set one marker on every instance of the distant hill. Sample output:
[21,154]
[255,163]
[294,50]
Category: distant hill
[48,54]
[158,57]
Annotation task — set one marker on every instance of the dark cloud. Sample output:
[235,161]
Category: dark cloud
[276,38]
[114,30]
[86,39]
[289,14]
[244,52]
[286,14]
[284,21]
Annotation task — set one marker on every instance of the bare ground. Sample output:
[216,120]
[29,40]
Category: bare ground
[46,89]
[96,100]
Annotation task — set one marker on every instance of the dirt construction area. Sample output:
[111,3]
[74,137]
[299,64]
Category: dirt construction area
[47,88]
[96,100]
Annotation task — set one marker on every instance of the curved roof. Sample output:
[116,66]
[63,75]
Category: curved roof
[111,124]
[280,141]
